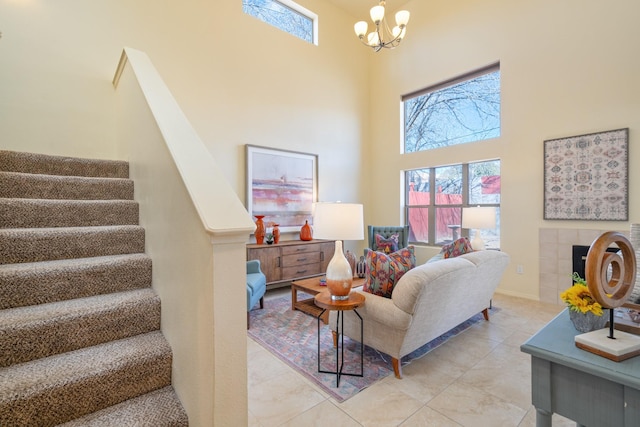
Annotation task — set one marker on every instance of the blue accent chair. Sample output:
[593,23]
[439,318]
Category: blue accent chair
[386,232]
[256,286]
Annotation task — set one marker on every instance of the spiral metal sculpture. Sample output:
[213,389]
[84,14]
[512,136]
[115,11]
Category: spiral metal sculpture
[610,292]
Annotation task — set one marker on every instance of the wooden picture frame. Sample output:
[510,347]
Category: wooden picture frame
[586,177]
[282,185]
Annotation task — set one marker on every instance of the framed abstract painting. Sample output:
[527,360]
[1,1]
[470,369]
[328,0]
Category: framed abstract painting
[586,177]
[281,185]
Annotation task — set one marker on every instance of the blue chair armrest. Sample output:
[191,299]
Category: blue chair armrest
[253,266]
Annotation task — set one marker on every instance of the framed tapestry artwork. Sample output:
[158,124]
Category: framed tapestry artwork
[586,177]
[281,185]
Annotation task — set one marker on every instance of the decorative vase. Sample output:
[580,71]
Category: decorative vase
[361,267]
[339,275]
[351,259]
[260,229]
[276,233]
[587,322]
[305,232]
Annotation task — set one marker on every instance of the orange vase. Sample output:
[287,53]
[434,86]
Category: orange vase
[260,230]
[305,232]
[276,233]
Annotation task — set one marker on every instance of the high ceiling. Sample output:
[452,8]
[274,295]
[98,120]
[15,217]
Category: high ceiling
[359,9]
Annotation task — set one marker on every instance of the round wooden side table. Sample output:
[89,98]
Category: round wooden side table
[324,301]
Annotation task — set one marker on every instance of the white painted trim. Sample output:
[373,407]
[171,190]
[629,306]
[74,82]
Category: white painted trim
[221,211]
[303,11]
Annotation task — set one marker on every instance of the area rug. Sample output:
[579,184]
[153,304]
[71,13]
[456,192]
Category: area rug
[293,337]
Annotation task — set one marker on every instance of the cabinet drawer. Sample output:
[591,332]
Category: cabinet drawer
[299,271]
[296,249]
[301,259]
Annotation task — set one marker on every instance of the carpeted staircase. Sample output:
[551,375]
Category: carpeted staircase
[80,339]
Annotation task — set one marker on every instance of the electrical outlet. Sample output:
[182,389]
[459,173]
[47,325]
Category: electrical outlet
[519,269]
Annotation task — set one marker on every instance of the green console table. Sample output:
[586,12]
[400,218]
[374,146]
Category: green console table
[577,384]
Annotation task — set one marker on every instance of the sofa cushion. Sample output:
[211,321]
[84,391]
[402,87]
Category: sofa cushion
[435,258]
[456,248]
[384,270]
[387,245]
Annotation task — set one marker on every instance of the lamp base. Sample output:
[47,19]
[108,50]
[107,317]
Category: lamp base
[339,275]
[477,243]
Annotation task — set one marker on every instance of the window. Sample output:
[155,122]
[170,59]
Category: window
[435,198]
[285,15]
[461,110]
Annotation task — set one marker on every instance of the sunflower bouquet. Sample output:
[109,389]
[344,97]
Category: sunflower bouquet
[579,299]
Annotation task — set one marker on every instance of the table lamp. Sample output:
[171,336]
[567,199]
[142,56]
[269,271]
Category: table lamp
[338,221]
[478,218]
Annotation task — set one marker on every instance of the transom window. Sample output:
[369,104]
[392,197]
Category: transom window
[463,109]
[286,15]
[435,197]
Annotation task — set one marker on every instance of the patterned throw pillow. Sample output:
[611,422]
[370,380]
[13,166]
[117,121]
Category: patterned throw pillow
[387,245]
[457,248]
[384,270]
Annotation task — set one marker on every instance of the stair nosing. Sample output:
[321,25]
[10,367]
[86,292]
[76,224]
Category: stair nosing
[74,261]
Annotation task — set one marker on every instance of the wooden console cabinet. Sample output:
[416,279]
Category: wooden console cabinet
[292,259]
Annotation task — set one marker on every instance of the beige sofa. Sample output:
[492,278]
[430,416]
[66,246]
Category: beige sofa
[426,302]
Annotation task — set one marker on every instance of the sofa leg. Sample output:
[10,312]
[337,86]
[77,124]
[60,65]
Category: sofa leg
[485,313]
[247,320]
[335,339]
[262,302]
[397,367]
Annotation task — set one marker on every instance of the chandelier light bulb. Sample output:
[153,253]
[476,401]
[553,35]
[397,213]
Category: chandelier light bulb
[373,39]
[361,28]
[377,14]
[402,18]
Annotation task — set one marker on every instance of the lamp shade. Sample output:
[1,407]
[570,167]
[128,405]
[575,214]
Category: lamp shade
[338,221]
[479,217]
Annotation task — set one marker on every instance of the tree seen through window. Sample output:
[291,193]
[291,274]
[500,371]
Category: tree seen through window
[465,111]
[282,16]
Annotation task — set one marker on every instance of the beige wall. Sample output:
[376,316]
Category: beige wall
[239,81]
[568,68]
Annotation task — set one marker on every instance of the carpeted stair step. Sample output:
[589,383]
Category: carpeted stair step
[50,281]
[32,213]
[160,408]
[64,387]
[30,186]
[34,332]
[59,165]
[19,245]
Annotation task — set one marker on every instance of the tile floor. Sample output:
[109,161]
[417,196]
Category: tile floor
[478,378]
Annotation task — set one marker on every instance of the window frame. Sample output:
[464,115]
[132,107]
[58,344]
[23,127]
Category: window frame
[300,10]
[433,206]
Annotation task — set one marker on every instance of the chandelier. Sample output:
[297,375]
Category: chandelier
[382,36]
